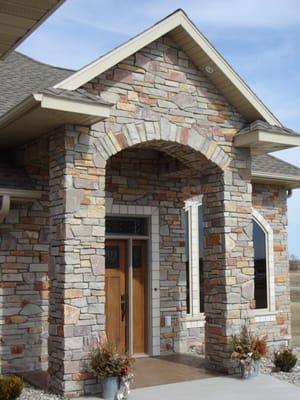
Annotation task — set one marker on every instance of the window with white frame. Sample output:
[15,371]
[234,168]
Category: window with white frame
[194,256]
[260,266]
[264,288]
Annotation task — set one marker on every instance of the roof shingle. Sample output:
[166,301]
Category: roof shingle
[269,164]
[78,94]
[20,76]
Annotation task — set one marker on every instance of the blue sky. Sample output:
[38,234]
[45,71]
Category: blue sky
[259,38]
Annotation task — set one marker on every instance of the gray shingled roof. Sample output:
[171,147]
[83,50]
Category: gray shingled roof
[20,76]
[270,164]
[262,125]
[78,94]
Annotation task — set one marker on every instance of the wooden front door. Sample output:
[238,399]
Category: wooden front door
[125,320]
[139,295]
[115,288]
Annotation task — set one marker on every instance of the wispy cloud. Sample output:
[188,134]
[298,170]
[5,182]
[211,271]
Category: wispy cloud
[260,38]
[245,14]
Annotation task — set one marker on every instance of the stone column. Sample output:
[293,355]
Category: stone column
[229,266]
[77,210]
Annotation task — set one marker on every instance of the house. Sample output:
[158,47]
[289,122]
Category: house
[139,199]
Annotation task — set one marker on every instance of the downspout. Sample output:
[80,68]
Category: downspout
[5,207]
[289,193]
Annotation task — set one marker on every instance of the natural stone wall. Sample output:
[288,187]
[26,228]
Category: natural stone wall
[159,94]
[142,177]
[271,203]
[77,260]
[160,82]
[24,249]
[228,254]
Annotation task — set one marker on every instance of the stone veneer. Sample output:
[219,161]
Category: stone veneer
[24,283]
[161,103]
[271,203]
[142,177]
[77,250]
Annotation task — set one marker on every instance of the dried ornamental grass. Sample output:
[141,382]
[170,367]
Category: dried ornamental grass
[106,362]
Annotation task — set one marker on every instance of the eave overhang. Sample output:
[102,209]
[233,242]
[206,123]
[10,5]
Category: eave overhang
[41,113]
[19,18]
[263,142]
[286,181]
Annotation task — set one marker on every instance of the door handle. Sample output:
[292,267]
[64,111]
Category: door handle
[123,306]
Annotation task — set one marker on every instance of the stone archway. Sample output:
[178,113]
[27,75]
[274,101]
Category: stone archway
[146,132]
[78,159]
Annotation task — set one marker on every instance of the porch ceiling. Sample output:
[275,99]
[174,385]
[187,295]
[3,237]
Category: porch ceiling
[184,162]
[43,112]
[263,138]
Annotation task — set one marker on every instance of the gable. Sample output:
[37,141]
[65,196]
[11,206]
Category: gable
[161,81]
[197,47]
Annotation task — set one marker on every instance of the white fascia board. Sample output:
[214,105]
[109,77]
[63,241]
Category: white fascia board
[175,20]
[21,193]
[280,138]
[16,112]
[273,178]
[257,137]
[228,71]
[73,106]
[117,55]
[246,139]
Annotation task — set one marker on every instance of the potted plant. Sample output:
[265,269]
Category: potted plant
[248,349]
[112,367]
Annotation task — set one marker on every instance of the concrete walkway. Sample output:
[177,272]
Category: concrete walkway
[263,387]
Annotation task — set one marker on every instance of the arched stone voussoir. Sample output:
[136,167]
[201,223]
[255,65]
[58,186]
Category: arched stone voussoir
[142,132]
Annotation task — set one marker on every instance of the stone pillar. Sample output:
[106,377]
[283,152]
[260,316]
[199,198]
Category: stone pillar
[229,266]
[77,211]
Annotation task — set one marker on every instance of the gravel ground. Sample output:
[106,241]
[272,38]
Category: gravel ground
[31,393]
[290,377]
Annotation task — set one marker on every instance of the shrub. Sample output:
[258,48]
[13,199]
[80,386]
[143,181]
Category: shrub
[10,387]
[106,362]
[285,360]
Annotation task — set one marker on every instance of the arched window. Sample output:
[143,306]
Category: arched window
[260,267]
[264,286]
[264,294]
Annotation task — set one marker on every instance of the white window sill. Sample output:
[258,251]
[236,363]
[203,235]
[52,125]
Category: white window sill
[194,321]
[264,311]
[265,316]
[198,321]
